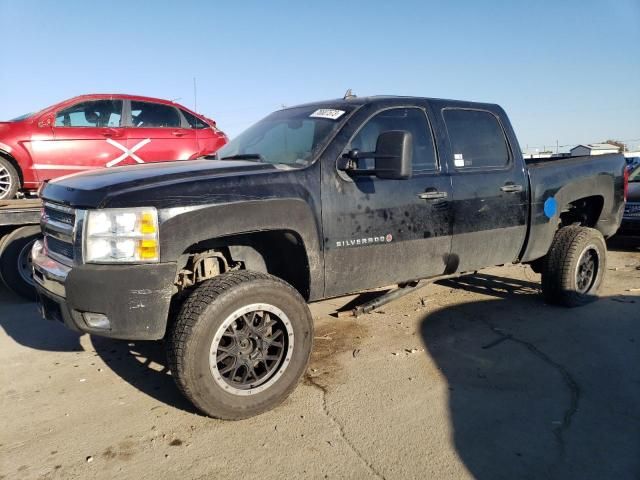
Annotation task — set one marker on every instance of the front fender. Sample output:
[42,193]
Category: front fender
[181,228]
[22,158]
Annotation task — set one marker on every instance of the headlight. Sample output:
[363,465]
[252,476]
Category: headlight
[121,235]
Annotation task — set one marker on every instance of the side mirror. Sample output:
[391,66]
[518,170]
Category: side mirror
[394,152]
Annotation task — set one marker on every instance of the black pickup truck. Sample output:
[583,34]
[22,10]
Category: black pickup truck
[220,257]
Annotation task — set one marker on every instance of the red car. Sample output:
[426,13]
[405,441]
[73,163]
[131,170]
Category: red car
[94,131]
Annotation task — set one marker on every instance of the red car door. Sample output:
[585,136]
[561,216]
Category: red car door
[157,132]
[83,138]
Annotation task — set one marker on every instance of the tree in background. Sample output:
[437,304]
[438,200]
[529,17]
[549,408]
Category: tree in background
[622,147]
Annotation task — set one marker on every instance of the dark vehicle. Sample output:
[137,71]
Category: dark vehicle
[631,218]
[632,162]
[221,257]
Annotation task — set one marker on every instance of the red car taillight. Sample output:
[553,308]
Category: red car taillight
[626,183]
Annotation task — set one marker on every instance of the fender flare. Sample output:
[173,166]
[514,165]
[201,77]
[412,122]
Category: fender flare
[182,228]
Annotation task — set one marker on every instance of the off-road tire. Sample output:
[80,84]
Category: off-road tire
[13,247]
[561,266]
[190,339]
[7,168]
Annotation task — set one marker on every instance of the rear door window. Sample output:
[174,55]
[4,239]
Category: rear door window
[94,113]
[193,121]
[477,139]
[154,115]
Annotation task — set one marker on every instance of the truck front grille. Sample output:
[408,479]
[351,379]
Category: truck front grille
[58,247]
[58,226]
[63,216]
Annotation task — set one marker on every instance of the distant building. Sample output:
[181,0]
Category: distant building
[593,149]
[530,156]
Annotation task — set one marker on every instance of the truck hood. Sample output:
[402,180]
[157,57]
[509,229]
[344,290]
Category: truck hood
[93,188]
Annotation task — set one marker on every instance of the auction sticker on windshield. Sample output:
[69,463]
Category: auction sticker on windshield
[329,113]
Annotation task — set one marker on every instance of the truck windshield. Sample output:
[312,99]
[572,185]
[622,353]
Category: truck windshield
[287,138]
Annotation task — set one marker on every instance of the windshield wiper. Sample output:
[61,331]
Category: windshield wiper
[245,156]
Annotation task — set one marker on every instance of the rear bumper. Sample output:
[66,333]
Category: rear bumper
[135,298]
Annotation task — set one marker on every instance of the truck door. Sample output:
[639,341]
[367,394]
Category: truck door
[490,189]
[382,231]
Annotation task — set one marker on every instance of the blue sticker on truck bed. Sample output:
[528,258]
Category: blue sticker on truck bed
[550,207]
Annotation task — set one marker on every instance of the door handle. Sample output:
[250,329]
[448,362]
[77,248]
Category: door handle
[178,133]
[511,188]
[432,195]
[111,133]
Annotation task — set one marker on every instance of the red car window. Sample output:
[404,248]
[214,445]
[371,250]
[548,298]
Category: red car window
[154,115]
[193,121]
[96,113]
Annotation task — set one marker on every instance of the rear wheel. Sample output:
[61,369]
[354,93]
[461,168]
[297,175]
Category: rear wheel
[240,344]
[15,261]
[574,267]
[9,180]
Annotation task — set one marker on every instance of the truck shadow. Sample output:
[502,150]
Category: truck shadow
[537,391]
[143,365]
[21,320]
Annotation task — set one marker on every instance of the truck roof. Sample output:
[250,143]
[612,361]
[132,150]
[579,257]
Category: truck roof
[377,99]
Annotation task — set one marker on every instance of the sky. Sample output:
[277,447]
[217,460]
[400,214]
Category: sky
[566,72]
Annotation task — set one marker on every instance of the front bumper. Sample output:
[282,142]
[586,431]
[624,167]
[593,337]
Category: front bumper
[135,298]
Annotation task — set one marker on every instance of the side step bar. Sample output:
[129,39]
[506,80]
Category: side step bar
[400,291]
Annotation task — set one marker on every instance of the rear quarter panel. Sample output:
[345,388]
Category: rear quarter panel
[568,180]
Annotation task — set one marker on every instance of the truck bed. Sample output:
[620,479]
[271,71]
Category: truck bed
[598,177]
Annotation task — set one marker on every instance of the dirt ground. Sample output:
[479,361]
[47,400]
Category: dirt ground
[475,378]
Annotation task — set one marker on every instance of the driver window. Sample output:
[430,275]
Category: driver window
[412,120]
[95,113]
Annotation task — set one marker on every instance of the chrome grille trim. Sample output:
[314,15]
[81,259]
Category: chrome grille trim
[58,207]
[59,223]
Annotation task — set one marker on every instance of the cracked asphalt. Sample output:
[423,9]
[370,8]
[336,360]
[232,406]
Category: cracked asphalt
[474,378]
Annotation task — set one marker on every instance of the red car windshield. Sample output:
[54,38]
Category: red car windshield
[22,117]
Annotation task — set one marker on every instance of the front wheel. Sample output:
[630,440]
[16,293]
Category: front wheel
[574,267]
[240,344]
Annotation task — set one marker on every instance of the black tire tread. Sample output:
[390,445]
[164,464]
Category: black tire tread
[558,271]
[8,251]
[180,332]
